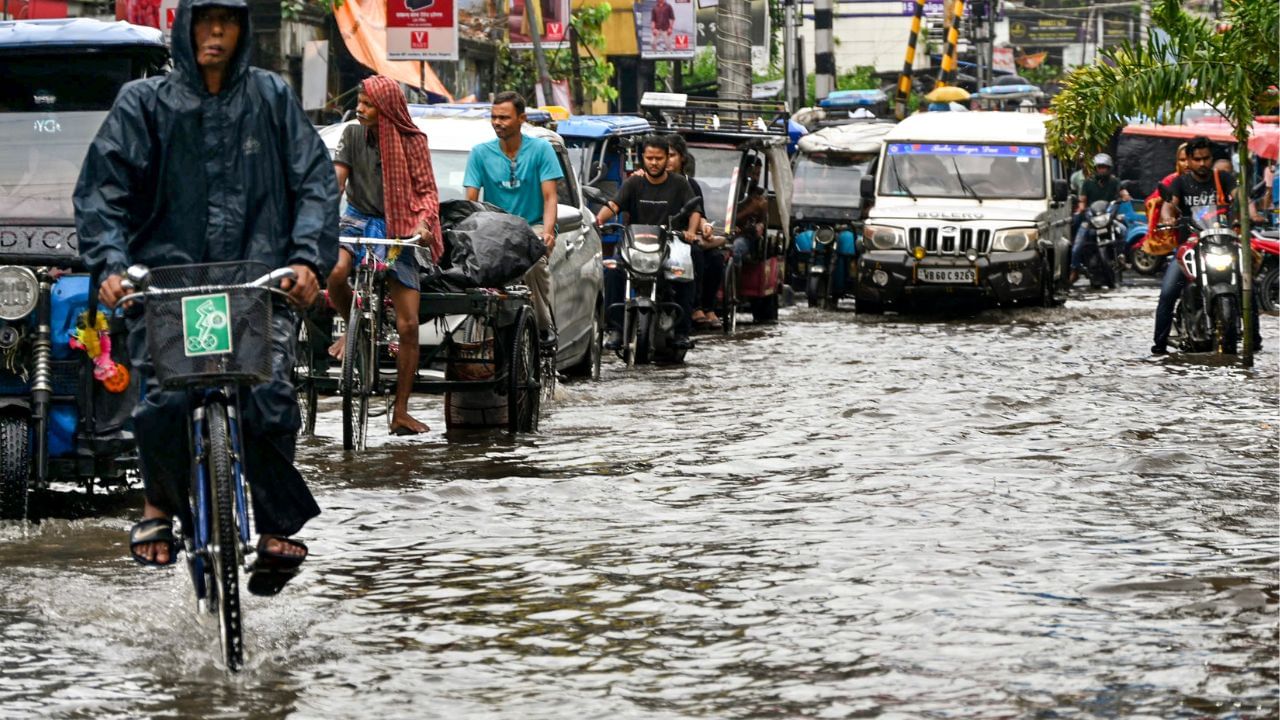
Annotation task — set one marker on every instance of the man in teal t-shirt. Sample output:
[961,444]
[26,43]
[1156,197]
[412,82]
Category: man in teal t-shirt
[519,174]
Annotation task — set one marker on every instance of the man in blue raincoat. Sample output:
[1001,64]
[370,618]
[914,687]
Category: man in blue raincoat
[214,162]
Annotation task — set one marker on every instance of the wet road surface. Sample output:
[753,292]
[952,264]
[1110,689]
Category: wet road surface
[1012,514]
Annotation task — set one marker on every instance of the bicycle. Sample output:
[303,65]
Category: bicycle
[369,330]
[209,333]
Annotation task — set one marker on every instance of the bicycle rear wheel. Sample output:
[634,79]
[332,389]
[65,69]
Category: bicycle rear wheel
[224,540]
[357,378]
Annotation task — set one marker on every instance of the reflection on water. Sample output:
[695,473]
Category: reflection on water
[1016,514]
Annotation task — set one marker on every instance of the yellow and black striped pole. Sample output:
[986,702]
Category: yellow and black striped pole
[949,54]
[904,80]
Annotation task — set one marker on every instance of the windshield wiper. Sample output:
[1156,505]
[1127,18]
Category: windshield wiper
[893,160]
[963,184]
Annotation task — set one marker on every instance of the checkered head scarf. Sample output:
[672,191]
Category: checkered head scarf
[408,182]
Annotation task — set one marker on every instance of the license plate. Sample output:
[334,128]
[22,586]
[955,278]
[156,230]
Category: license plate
[34,240]
[947,275]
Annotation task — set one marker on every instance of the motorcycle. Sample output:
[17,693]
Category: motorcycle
[1266,242]
[655,257]
[1104,244]
[830,251]
[1207,317]
[66,392]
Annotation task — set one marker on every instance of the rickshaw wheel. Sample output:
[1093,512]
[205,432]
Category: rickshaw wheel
[764,309]
[15,466]
[523,370]
[304,373]
[729,309]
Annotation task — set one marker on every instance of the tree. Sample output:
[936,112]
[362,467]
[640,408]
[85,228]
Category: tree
[1233,65]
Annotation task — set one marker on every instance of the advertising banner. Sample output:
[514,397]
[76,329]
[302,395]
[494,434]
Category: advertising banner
[555,24]
[666,29]
[422,30]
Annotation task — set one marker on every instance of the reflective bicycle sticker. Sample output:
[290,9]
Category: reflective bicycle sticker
[206,325]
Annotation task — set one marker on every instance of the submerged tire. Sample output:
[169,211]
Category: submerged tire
[225,540]
[1268,288]
[1145,263]
[15,466]
[1226,325]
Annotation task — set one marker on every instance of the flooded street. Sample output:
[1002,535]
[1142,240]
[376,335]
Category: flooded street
[1009,514]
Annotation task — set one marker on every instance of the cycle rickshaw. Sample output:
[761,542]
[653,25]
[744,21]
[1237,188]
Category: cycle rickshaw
[478,347]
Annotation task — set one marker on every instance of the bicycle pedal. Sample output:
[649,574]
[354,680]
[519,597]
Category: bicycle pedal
[377,412]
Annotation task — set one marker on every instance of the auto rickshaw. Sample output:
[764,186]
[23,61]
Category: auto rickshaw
[740,152]
[826,217]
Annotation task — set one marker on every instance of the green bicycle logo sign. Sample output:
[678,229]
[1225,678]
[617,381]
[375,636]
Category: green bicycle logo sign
[206,325]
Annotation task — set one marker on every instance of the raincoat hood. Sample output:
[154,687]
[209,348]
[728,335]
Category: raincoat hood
[184,51]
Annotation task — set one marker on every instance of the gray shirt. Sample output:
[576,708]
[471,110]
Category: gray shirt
[358,150]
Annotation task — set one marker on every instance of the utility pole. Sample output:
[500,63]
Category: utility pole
[533,12]
[791,89]
[733,50]
[824,56]
[1144,19]
[954,11]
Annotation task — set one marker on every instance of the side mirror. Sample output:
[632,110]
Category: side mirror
[868,186]
[594,195]
[568,217]
[1061,189]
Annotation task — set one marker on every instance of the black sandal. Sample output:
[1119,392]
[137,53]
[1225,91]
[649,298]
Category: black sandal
[149,531]
[271,571]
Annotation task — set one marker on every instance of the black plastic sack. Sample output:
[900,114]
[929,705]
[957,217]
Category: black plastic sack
[486,246]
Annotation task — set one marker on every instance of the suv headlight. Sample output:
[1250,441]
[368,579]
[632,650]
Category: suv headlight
[19,292]
[882,237]
[1014,240]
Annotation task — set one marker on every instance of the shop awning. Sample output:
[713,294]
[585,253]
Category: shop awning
[363,26]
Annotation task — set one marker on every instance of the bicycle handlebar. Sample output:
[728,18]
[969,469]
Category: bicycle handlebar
[137,275]
[411,241]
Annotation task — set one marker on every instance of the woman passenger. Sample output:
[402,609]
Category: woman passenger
[708,260]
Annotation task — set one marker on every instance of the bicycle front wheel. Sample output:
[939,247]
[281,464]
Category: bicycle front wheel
[224,545]
[357,379]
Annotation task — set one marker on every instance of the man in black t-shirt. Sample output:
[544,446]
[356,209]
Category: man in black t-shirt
[650,199]
[1192,192]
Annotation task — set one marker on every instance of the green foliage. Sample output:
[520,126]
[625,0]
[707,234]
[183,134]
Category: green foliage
[862,77]
[1041,75]
[517,69]
[1231,66]
[293,9]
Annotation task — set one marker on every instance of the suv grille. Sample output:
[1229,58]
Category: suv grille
[955,241]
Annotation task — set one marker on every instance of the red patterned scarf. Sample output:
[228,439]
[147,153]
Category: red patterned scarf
[408,182]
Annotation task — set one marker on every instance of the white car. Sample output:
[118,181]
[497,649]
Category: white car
[576,269]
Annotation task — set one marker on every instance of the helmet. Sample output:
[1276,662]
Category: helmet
[1102,159]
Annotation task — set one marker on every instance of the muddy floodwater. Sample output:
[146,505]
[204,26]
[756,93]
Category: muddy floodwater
[1007,514]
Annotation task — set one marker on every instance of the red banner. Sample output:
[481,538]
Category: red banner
[36,9]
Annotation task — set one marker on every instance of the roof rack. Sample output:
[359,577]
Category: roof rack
[677,112]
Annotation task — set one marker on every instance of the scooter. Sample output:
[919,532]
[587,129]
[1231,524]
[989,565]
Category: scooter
[655,258]
[1207,316]
[1104,244]
[1266,285]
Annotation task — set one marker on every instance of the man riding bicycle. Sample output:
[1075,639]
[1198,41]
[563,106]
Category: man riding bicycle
[384,165]
[214,162]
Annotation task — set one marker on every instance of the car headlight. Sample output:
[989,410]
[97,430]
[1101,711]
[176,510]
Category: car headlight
[825,235]
[19,292]
[1014,240]
[1219,260]
[881,237]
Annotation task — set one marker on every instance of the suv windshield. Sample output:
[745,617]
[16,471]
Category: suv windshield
[830,179]
[50,109]
[962,171]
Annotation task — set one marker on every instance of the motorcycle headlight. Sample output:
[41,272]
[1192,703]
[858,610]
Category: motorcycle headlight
[1219,260]
[881,237]
[19,292]
[645,263]
[1100,221]
[825,235]
[1014,240]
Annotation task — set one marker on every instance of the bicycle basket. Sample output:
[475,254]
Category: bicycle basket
[205,328]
